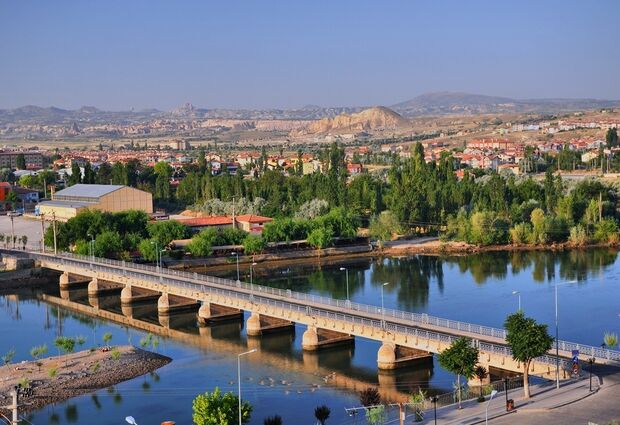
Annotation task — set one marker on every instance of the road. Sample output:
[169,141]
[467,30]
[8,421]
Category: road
[23,226]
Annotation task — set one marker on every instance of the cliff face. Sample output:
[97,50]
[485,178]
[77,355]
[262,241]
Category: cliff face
[372,119]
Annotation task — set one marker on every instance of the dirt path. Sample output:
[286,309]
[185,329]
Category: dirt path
[75,374]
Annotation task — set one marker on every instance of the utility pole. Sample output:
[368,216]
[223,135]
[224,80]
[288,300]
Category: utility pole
[401,413]
[54,228]
[13,407]
[233,214]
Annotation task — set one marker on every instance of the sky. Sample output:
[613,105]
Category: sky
[122,54]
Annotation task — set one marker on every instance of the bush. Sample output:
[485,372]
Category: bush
[578,236]
[384,226]
[606,231]
[520,233]
[254,244]
[321,237]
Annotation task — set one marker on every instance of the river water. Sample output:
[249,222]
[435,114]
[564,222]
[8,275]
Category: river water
[280,378]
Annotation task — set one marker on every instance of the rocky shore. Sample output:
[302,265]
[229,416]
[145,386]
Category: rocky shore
[60,378]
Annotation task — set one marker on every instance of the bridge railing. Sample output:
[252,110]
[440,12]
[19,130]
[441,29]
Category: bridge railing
[342,305]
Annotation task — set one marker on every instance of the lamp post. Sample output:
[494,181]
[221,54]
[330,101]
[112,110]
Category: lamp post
[346,270]
[591,361]
[156,254]
[239,377]
[237,255]
[557,342]
[382,306]
[486,412]
[252,279]
[517,293]
[434,400]
[91,246]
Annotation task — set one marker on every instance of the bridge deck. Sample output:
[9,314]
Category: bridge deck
[341,312]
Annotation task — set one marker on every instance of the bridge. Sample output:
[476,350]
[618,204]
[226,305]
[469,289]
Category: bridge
[405,337]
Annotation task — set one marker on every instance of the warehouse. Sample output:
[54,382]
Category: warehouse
[68,202]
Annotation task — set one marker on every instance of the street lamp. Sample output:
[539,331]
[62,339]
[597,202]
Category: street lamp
[252,278]
[237,255]
[486,412]
[517,293]
[346,270]
[557,342]
[591,361]
[91,246]
[131,420]
[382,306]
[239,377]
[434,400]
[156,254]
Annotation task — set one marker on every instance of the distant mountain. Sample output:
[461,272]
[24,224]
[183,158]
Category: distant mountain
[369,120]
[443,103]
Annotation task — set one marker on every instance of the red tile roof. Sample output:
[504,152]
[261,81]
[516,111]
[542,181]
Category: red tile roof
[251,218]
[206,221]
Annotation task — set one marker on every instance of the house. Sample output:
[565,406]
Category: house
[68,202]
[252,223]
[201,223]
[354,169]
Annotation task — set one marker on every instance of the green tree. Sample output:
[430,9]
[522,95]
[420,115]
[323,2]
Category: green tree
[8,357]
[321,413]
[107,337]
[215,408]
[167,231]
[163,171]
[370,397]
[321,237]
[76,174]
[65,344]
[20,162]
[460,358]
[611,137]
[108,244]
[528,340]
[253,244]
[384,226]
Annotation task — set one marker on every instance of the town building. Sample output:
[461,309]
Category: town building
[68,202]
[33,159]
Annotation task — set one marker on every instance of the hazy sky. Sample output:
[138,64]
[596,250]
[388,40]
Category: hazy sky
[289,53]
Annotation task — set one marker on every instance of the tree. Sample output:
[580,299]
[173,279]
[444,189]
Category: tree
[76,174]
[273,420]
[384,226]
[481,373]
[370,397]
[215,408]
[37,352]
[253,244]
[528,340]
[107,337]
[20,162]
[460,358]
[163,171]
[322,413]
[65,344]
[108,244]
[321,237]
[8,357]
[611,137]
[375,415]
[167,231]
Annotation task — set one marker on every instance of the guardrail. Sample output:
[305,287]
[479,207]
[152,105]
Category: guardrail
[178,277]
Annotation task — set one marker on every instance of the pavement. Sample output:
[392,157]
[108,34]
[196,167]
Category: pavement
[572,403]
[23,226]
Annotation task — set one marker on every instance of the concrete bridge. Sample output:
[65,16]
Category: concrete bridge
[406,337]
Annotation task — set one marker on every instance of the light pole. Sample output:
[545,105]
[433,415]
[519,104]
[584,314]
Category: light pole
[239,377]
[156,254]
[486,412]
[382,306]
[346,270]
[434,400]
[557,342]
[591,361]
[91,244]
[12,231]
[517,293]
[237,255]
[252,279]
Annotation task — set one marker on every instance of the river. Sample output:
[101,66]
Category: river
[280,378]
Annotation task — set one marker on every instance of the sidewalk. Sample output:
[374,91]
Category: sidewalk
[544,397]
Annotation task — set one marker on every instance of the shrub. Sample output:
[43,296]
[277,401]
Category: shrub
[520,233]
[578,236]
[254,244]
[606,231]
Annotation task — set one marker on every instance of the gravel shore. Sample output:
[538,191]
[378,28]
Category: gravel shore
[75,374]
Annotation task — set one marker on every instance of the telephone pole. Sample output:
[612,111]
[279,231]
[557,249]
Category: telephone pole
[13,406]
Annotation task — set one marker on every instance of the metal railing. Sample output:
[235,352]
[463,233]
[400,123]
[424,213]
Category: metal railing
[396,320]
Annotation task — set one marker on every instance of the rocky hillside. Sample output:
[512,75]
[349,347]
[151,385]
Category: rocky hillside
[369,120]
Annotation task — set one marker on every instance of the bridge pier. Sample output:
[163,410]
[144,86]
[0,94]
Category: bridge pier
[392,356]
[259,324]
[66,280]
[315,339]
[130,295]
[212,313]
[168,304]
[97,287]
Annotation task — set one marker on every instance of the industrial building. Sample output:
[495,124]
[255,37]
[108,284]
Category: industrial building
[68,202]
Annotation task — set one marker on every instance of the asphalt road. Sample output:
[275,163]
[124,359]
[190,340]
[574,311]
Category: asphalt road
[23,226]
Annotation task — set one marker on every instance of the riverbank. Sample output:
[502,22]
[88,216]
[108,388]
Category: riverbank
[55,379]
